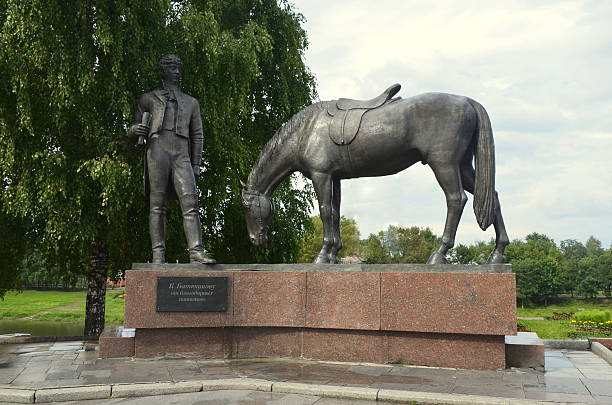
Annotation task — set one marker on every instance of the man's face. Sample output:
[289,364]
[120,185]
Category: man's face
[171,73]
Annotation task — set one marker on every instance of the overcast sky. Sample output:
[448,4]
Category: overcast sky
[542,69]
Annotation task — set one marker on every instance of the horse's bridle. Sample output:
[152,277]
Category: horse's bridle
[264,229]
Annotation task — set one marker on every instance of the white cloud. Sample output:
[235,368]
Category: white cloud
[541,69]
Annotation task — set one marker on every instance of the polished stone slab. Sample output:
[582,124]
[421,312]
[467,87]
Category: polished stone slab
[270,299]
[525,349]
[141,302]
[474,303]
[343,300]
[414,314]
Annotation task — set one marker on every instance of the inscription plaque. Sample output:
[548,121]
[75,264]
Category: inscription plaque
[191,294]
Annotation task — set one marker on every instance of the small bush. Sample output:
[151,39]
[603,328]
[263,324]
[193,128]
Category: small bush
[557,316]
[593,316]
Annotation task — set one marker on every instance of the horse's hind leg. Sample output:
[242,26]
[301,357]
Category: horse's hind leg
[323,188]
[337,244]
[449,178]
[501,237]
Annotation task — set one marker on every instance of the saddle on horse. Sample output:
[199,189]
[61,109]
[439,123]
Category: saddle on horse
[347,114]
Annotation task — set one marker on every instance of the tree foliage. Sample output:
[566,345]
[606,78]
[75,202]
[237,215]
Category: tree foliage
[476,253]
[73,72]
[313,240]
[397,244]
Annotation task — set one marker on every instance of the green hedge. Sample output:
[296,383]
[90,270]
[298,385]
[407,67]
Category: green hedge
[593,316]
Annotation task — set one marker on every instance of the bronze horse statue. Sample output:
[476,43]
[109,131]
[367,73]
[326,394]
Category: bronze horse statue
[342,139]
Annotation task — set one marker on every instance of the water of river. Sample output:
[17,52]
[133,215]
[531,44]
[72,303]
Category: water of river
[42,328]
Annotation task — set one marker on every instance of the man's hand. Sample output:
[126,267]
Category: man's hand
[141,130]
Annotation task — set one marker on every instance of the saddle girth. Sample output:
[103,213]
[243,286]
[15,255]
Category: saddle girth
[347,114]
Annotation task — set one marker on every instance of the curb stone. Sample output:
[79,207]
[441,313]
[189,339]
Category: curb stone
[602,351]
[326,390]
[236,384]
[357,393]
[17,395]
[150,389]
[566,344]
[428,398]
[73,393]
[438,399]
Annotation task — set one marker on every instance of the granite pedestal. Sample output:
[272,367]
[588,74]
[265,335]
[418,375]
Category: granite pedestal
[431,315]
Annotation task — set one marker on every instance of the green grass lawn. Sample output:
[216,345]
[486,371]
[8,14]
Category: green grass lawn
[566,305]
[562,329]
[57,306]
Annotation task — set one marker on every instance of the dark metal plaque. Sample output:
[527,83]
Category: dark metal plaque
[191,294]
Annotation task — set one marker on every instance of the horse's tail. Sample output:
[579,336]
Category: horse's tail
[484,157]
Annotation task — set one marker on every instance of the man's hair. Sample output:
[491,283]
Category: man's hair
[169,59]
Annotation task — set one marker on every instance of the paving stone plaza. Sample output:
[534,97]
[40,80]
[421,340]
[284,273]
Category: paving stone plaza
[570,376]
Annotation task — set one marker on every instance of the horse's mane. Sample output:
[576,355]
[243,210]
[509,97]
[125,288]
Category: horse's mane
[282,134]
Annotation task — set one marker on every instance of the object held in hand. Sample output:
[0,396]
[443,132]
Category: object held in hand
[146,118]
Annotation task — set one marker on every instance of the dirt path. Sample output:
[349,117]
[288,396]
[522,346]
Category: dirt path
[70,307]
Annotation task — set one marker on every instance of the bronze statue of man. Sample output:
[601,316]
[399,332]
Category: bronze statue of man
[170,124]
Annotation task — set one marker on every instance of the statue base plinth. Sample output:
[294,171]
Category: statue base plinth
[431,315]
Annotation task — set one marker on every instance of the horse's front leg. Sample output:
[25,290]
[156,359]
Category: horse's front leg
[323,188]
[337,244]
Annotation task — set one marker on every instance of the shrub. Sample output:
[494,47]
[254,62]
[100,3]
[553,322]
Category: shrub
[593,316]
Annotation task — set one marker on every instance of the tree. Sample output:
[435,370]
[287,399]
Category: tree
[537,279]
[416,244]
[312,240]
[477,253]
[14,245]
[605,275]
[401,245]
[572,252]
[592,269]
[374,251]
[72,74]
[535,262]
[588,282]
[593,246]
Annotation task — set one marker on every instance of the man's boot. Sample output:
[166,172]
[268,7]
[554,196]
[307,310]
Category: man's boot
[157,226]
[200,257]
[159,257]
[193,230]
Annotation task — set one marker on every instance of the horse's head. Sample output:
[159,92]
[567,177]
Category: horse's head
[258,209]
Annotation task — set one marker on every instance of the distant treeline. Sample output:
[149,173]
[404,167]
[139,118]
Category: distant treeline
[544,269]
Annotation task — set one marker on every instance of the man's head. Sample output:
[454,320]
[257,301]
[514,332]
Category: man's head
[170,67]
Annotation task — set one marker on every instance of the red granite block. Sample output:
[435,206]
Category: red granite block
[141,302]
[477,352]
[525,356]
[263,298]
[209,343]
[112,345]
[343,300]
[343,345]
[267,342]
[607,342]
[466,303]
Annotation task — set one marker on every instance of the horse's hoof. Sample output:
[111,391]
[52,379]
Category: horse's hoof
[496,258]
[436,258]
[322,259]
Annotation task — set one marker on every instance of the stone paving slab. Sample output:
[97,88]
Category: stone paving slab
[569,376]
